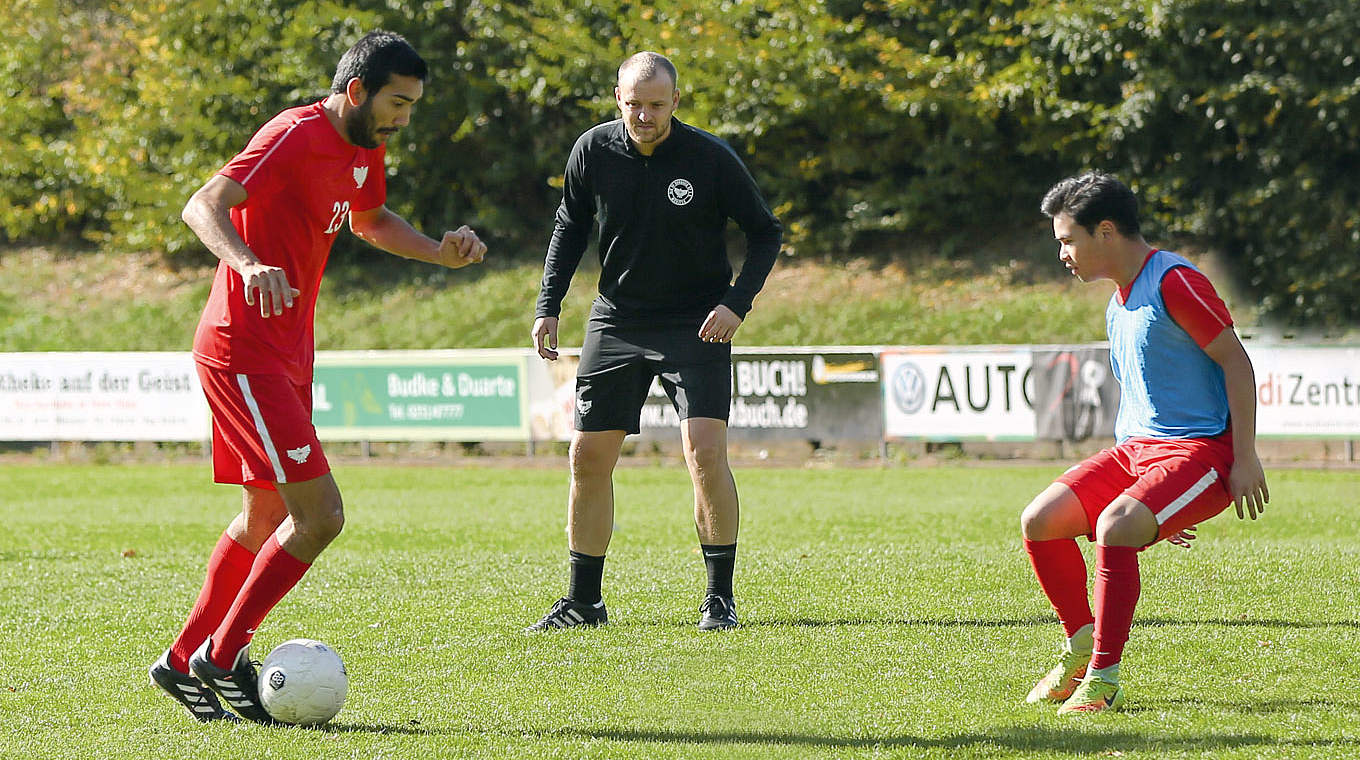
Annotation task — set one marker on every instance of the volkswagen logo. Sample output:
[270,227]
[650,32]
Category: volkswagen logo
[908,388]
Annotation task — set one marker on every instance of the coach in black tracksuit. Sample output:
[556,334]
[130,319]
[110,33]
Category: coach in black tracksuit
[663,192]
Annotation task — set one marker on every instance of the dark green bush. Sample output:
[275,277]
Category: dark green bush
[867,123]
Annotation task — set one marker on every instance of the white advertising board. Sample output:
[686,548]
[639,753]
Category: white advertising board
[958,393]
[101,397]
[1307,391]
[930,393]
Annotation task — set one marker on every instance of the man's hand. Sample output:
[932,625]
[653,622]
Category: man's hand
[720,326]
[545,337]
[1183,538]
[1247,486]
[460,248]
[272,285]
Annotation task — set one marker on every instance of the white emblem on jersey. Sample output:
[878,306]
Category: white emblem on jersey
[360,174]
[680,192]
[300,454]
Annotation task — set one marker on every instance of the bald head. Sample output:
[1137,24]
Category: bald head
[645,66]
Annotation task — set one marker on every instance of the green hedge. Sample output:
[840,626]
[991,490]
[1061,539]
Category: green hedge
[867,123]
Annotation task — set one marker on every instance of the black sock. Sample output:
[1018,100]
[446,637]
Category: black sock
[719,560]
[586,571]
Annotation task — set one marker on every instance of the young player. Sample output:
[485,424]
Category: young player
[668,308]
[1186,436]
[270,215]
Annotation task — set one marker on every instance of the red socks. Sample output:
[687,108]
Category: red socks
[1061,571]
[1116,592]
[1062,575]
[228,567]
[273,575]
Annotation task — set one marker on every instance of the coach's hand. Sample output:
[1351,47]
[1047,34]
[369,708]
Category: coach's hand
[545,337]
[1247,486]
[460,248]
[721,325]
[272,285]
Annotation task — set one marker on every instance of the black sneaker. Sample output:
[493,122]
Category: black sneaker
[189,691]
[239,687]
[568,613]
[719,612]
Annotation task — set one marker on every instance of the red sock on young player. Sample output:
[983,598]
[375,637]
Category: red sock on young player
[273,575]
[228,567]
[1116,593]
[1061,571]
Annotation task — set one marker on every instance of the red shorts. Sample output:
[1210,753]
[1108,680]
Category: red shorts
[262,429]
[1184,481]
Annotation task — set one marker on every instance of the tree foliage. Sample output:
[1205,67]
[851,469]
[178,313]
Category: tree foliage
[867,123]
[1234,119]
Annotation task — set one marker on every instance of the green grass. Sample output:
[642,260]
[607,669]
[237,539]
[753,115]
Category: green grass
[886,613]
[60,300]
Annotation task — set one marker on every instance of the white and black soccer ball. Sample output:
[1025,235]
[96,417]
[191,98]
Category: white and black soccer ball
[303,682]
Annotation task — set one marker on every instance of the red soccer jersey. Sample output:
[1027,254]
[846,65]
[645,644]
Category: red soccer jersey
[302,180]
[1192,301]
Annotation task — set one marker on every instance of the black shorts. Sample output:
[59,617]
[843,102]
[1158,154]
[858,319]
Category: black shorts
[619,362]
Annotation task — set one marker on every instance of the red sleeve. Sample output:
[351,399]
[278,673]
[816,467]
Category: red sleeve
[263,163]
[1192,301]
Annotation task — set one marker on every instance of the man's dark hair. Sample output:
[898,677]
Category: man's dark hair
[1092,198]
[374,59]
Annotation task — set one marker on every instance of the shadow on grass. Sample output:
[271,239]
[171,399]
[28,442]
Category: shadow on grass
[914,622]
[1255,707]
[390,729]
[855,622]
[1159,622]
[1038,620]
[1017,738]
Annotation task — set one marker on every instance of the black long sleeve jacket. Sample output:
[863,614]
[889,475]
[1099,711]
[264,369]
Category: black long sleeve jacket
[662,222]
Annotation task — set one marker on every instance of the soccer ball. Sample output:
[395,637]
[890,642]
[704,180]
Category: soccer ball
[303,682]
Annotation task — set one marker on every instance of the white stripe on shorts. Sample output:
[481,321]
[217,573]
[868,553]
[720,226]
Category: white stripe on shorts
[1190,495]
[244,382]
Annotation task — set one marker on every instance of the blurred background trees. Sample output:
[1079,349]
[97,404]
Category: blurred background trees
[870,125]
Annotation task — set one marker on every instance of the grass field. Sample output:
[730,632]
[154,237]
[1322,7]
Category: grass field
[886,613]
[63,300]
